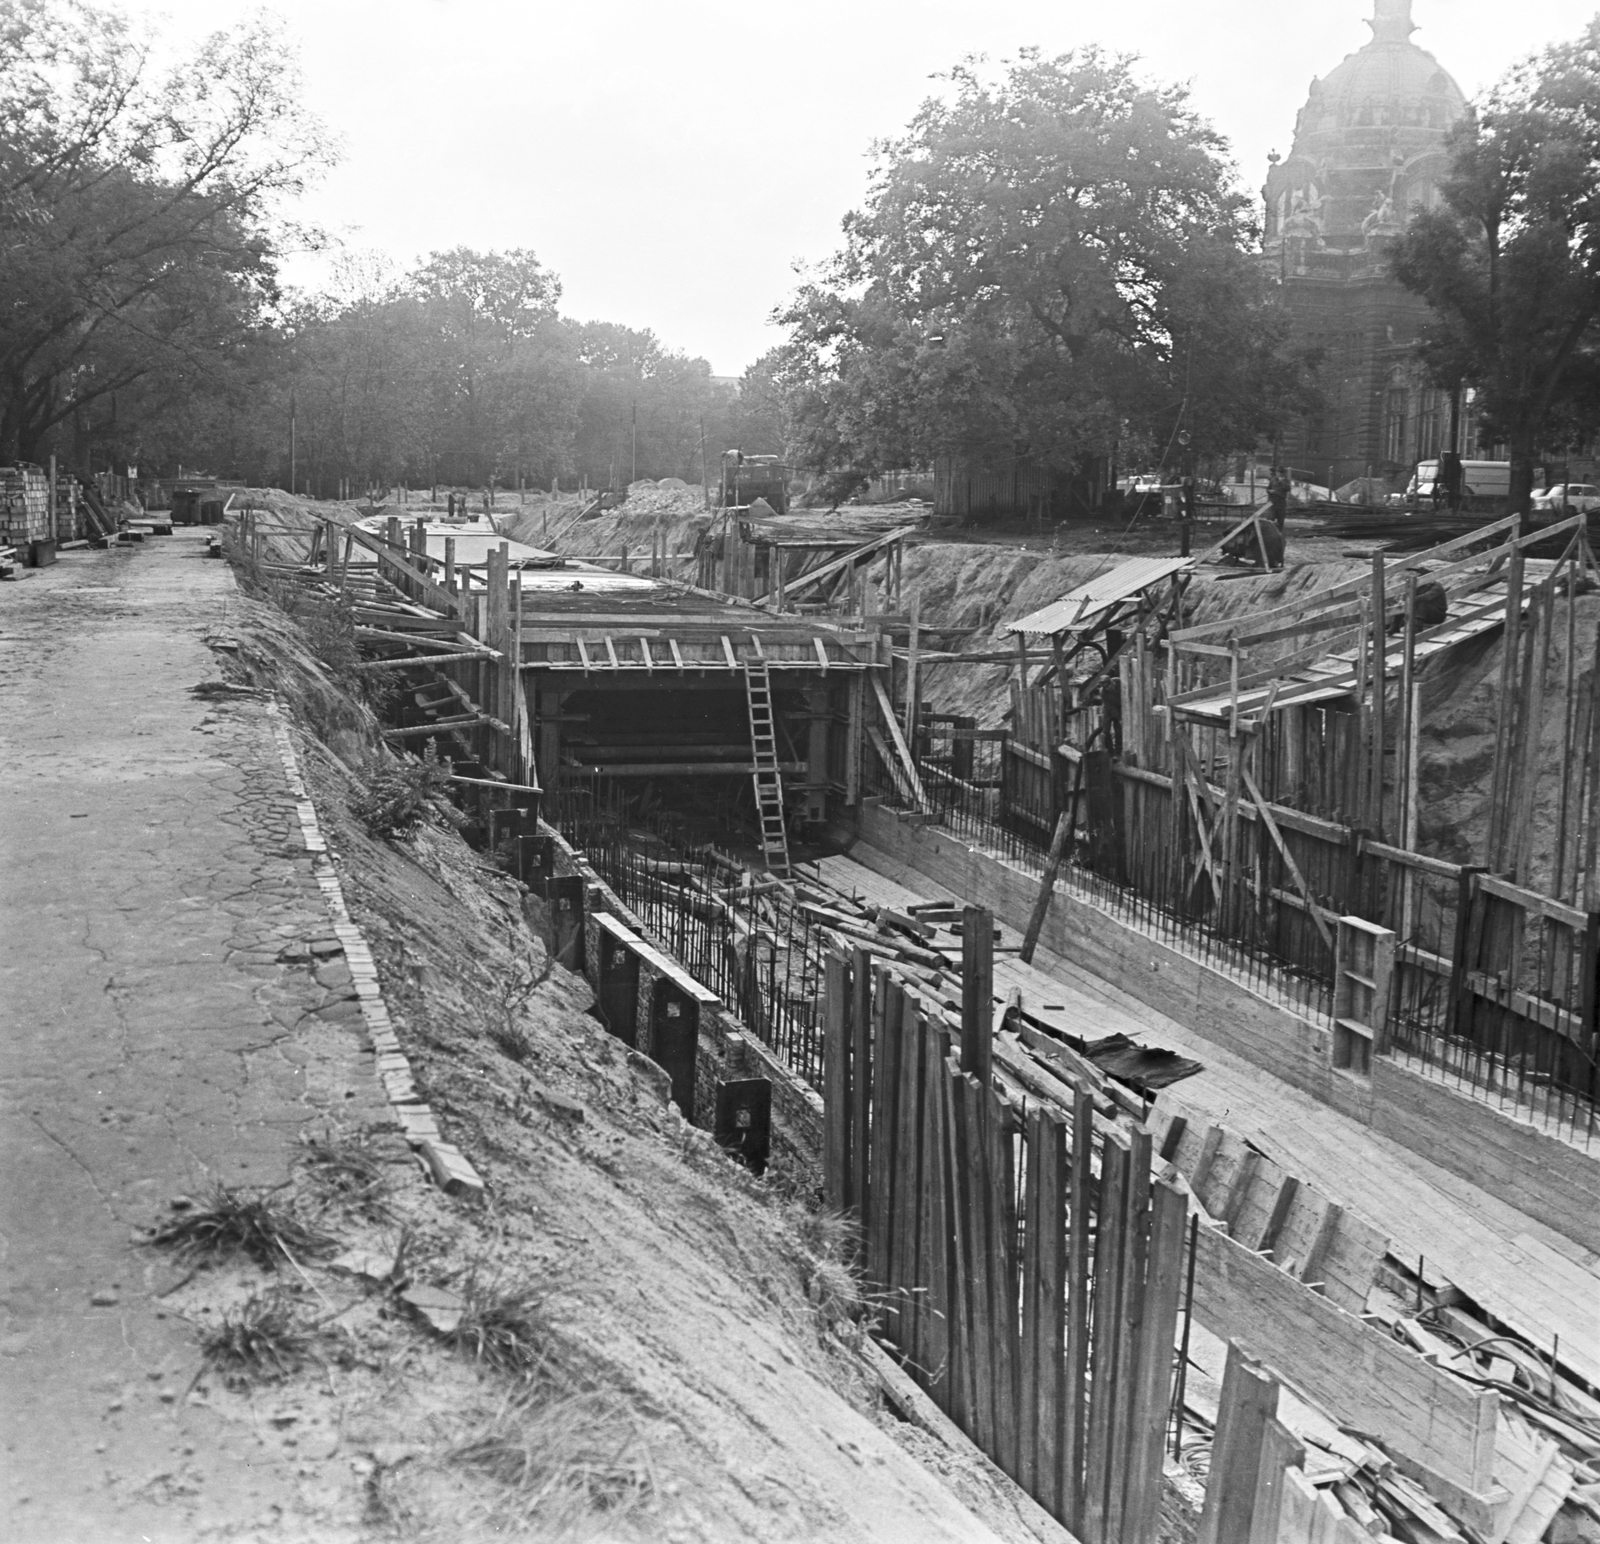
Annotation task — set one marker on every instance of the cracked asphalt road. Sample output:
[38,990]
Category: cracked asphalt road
[152,1040]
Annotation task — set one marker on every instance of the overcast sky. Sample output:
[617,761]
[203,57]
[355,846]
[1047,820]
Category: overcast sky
[673,161]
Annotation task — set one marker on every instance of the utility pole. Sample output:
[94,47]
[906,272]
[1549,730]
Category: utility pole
[291,441]
[705,474]
[635,476]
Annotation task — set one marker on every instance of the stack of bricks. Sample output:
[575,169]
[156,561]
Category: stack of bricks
[69,510]
[24,506]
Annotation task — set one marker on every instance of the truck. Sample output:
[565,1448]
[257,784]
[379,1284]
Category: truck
[1484,484]
[746,478]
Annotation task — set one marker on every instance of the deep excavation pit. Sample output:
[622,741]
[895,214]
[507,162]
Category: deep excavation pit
[675,1356]
[645,707]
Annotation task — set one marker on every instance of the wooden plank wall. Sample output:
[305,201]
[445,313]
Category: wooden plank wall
[1029,1263]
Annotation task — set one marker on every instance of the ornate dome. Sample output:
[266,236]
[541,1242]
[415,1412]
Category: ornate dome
[1369,143]
[1391,73]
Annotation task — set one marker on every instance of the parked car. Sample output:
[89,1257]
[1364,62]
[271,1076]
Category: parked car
[1577,498]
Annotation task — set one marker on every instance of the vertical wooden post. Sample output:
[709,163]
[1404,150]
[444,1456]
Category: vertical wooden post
[853,740]
[1535,668]
[1109,1257]
[1494,855]
[1281,1451]
[1129,1326]
[1249,1401]
[935,1233]
[998,1130]
[964,1403]
[885,1035]
[836,1088]
[1148,1432]
[1074,1435]
[450,564]
[1379,693]
[860,1081]
[974,1152]
[912,686]
[1044,1308]
[908,1191]
[1569,716]
[977,992]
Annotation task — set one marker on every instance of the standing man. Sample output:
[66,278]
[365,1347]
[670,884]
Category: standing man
[1278,496]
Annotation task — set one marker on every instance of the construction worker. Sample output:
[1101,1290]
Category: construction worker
[1278,490]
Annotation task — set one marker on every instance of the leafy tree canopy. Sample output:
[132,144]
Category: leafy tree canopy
[137,205]
[1050,262]
[1510,261]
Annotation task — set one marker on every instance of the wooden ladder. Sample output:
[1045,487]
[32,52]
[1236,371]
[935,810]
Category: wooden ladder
[766,778]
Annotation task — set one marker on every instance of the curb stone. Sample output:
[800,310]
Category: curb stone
[445,1162]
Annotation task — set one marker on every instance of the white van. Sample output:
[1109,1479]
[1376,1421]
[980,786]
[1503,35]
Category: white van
[1480,480]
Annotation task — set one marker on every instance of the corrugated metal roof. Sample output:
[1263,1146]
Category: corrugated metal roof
[1077,609]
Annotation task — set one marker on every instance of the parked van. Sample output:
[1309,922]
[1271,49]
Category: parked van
[1483,483]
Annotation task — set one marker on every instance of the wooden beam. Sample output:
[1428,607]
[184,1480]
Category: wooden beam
[898,740]
[1265,811]
[1353,1371]
[849,560]
[1249,1400]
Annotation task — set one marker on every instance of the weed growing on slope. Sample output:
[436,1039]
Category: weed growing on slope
[829,1254]
[564,1460]
[507,1331]
[253,1223]
[344,1168]
[398,794]
[258,1341]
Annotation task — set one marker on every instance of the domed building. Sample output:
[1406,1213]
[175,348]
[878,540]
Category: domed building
[1369,149]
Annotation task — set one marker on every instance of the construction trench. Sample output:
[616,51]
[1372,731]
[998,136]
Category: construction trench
[1215,1147]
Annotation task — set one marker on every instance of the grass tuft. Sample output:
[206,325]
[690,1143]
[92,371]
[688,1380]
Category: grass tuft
[259,1341]
[565,1459]
[507,1331]
[829,1254]
[344,1168]
[511,1040]
[241,1222]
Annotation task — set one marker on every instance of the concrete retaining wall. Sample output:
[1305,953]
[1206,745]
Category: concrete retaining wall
[1509,1158]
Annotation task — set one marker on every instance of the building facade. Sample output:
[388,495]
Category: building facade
[1369,150]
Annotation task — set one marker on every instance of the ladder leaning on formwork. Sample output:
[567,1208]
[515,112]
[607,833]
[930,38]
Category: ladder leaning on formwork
[765,777]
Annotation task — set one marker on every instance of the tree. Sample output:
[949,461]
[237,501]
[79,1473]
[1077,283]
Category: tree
[1050,263]
[137,208]
[1510,261]
[643,407]
[500,380]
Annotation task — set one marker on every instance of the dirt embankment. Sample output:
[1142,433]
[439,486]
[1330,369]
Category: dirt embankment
[656,1346]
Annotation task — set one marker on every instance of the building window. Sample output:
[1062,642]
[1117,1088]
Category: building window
[1430,427]
[1394,425]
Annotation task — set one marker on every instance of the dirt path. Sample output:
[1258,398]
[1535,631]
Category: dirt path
[152,1043]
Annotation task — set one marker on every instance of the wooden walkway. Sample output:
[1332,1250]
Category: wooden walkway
[1516,1268]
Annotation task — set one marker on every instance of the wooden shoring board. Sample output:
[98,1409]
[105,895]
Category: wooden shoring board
[1271,1211]
[908,766]
[1344,1365]
[1467,1237]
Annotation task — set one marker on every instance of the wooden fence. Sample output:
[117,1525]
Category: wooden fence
[1028,1264]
